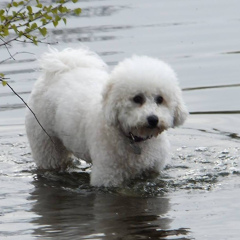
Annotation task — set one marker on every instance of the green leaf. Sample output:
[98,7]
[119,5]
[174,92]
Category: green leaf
[5,32]
[2,12]
[77,11]
[22,15]
[4,83]
[20,3]
[61,1]
[39,5]
[35,40]
[74,1]
[2,18]
[44,21]
[27,30]
[2,75]
[48,17]
[47,9]
[14,27]
[64,20]
[20,33]
[29,8]
[54,11]
[57,18]
[55,23]
[43,31]
[37,15]
[34,25]
[15,4]
[62,9]
[31,18]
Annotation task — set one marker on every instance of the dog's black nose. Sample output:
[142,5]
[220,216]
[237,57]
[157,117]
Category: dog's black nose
[152,121]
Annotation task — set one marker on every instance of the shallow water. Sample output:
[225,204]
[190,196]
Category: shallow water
[197,196]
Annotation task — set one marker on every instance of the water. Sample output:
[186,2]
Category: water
[197,196]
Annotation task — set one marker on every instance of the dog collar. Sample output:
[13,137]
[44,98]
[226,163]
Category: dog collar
[133,143]
[134,140]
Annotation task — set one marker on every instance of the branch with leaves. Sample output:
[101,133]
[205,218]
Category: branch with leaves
[23,18]
[26,20]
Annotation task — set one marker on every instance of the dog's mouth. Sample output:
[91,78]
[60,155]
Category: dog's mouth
[135,138]
[137,135]
[143,134]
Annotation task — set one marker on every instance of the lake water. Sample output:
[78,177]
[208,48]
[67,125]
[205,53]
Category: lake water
[198,194]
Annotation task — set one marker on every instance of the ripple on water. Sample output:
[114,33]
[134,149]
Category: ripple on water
[192,168]
[202,168]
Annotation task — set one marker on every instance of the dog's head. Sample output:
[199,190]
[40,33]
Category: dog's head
[143,98]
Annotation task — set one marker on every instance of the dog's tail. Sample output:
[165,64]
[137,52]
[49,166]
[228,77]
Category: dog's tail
[56,61]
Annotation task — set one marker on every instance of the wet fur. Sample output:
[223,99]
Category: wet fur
[90,113]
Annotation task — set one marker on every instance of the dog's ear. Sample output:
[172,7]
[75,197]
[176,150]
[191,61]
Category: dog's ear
[180,113]
[109,105]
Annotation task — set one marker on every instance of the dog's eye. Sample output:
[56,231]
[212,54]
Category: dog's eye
[159,99]
[139,99]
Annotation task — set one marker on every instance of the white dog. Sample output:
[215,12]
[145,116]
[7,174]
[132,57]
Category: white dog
[114,120]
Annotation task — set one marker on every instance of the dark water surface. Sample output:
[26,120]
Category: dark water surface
[197,196]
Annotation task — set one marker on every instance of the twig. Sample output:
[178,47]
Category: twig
[9,53]
[29,109]
[5,60]
[4,42]
[5,45]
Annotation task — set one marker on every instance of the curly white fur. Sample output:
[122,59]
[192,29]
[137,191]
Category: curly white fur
[114,120]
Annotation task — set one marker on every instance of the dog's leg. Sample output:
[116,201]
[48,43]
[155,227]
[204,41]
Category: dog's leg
[105,176]
[46,153]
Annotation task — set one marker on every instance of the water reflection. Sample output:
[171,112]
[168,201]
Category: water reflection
[66,212]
